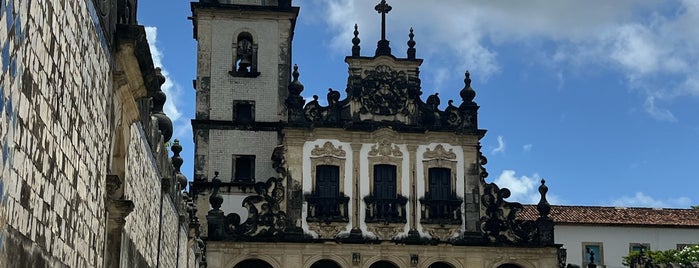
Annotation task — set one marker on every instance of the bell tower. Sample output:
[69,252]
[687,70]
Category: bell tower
[243,74]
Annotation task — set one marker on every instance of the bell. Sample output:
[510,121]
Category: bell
[244,63]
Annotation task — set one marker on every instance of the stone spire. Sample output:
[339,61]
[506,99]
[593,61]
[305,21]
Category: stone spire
[355,42]
[411,45]
[159,98]
[295,88]
[177,163]
[543,207]
[382,48]
[467,93]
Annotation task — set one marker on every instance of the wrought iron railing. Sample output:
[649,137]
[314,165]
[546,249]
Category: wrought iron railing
[327,209]
[387,210]
[442,211]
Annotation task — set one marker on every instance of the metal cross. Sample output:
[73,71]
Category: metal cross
[383,8]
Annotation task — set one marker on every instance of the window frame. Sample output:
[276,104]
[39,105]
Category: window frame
[237,104]
[234,167]
[253,72]
[599,258]
[632,245]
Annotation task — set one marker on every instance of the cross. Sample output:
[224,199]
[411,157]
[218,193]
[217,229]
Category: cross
[383,8]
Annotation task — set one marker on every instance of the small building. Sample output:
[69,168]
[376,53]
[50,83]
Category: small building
[610,233]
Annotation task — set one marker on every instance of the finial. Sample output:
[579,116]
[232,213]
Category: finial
[295,87]
[543,207]
[177,163]
[382,48]
[355,42]
[467,93]
[411,45]
[215,199]
[159,98]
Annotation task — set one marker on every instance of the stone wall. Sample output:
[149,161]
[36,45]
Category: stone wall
[55,91]
[79,149]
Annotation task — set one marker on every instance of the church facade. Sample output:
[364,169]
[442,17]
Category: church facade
[376,177]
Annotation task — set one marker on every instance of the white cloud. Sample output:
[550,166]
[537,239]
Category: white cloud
[657,112]
[527,147]
[643,200]
[501,146]
[524,189]
[642,39]
[172,90]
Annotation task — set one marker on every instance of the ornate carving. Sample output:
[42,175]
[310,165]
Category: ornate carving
[384,148]
[441,232]
[326,230]
[439,153]
[384,92]
[386,231]
[328,149]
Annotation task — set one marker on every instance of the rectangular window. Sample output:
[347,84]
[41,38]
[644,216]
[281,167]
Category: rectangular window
[682,246]
[328,181]
[593,252]
[243,168]
[637,247]
[385,181]
[244,112]
[439,192]
[439,183]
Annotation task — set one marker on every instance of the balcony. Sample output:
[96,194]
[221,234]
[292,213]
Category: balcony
[327,209]
[441,210]
[385,210]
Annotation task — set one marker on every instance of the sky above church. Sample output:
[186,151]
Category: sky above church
[600,98]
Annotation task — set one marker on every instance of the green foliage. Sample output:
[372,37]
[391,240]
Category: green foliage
[685,256]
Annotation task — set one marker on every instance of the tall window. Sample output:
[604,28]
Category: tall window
[328,181]
[385,181]
[327,191]
[243,168]
[439,190]
[246,56]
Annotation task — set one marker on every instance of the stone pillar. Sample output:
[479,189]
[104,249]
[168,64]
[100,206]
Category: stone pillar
[412,153]
[356,199]
[117,210]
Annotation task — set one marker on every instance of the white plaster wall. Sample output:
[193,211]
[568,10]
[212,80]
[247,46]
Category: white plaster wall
[615,240]
[420,177]
[308,180]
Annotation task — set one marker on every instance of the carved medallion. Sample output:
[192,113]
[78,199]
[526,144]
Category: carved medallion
[384,92]
[443,233]
[328,149]
[440,153]
[384,148]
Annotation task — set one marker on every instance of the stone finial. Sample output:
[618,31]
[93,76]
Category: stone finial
[355,42]
[215,199]
[411,45]
[295,88]
[543,207]
[177,163]
[467,93]
[159,98]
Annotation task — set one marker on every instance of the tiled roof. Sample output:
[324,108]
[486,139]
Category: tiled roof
[590,215]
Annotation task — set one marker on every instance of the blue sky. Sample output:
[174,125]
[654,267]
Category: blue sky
[598,97]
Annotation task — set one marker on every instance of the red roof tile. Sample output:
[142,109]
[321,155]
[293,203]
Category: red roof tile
[591,215]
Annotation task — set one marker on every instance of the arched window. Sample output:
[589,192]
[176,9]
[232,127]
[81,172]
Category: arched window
[440,265]
[325,264]
[245,63]
[383,264]
[509,265]
[253,263]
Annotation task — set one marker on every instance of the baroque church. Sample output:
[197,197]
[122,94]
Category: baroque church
[376,177]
